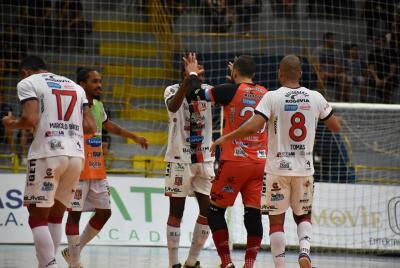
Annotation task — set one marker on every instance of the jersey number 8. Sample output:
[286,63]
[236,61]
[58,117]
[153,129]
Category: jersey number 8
[298,122]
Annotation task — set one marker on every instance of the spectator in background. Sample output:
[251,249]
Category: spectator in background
[36,18]
[382,68]
[329,63]
[175,8]
[356,71]
[6,134]
[13,49]
[246,11]
[70,25]
[284,8]
[379,16]
[214,12]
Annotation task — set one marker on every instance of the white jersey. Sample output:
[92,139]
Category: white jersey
[59,131]
[190,130]
[292,121]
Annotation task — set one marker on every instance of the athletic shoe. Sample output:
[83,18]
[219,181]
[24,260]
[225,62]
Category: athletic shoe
[304,260]
[196,265]
[178,265]
[67,258]
[228,266]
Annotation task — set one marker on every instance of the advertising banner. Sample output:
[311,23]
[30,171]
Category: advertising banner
[344,215]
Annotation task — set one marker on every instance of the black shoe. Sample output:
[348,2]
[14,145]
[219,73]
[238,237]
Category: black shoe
[196,265]
[178,265]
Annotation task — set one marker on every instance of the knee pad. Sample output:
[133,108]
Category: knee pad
[216,218]
[252,221]
[300,218]
[274,228]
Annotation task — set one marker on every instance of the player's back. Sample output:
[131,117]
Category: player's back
[237,112]
[293,118]
[59,130]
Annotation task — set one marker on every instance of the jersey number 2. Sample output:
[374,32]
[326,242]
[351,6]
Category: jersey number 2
[71,106]
[298,122]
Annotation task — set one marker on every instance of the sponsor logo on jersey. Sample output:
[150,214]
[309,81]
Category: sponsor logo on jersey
[294,93]
[304,200]
[178,167]
[94,141]
[47,186]
[54,133]
[195,150]
[178,181]
[202,105]
[56,145]
[34,198]
[227,189]
[238,151]
[261,154]
[275,187]
[308,164]
[78,194]
[51,78]
[249,102]
[286,154]
[31,172]
[68,86]
[49,174]
[307,208]
[53,85]
[172,190]
[78,146]
[283,164]
[93,154]
[195,139]
[269,208]
[290,107]
[277,197]
[196,118]
[253,96]
[297,147]
[303,153]
[95,164]
[305,106]
[297,101]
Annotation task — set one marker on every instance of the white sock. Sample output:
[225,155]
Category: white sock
[74,249]
[278,248]
[88,234]
[173,236]
[200,235]
[44,247]
[56,233]
[304,230]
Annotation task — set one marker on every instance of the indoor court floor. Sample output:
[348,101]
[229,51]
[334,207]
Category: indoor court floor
[23,256]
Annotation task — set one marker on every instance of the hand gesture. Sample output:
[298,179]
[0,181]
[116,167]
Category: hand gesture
[142,141]
[230,66]
[191,64]
[7,120]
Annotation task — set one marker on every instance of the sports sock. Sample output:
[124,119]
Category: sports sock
[252,247]
[200,235]
[74,249]
[304,229]
[91,230]
[43,242]
[173,237]
[277,240]
[221,241]
[55,229]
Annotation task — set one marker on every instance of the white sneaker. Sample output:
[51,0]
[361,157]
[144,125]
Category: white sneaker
[67,258]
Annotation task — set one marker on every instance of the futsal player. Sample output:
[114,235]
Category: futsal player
[292,113]
[57,110]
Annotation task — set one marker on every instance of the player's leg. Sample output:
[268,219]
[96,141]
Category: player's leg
[71,254]
[251,195]
[67,193]
[224,191]
[98,199]
[276,201]
[177,186]
[201,185]
[42,182]
[301,203]
[55,220]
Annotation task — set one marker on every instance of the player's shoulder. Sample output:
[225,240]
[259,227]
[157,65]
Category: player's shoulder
[172,88]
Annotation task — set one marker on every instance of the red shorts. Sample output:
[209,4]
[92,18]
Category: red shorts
[234,177]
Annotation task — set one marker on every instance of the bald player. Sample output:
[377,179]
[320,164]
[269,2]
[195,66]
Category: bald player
[292,113]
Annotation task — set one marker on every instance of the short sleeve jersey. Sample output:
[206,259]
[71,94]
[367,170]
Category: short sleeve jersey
[94,161]
[189,130]
[61,101]
[292,116]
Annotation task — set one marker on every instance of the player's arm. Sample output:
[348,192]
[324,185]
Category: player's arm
[116,129]
[29,117]
[250,127]
[333,123]
[175,102]
[89,124]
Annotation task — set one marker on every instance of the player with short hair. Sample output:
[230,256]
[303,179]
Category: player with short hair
[93,191]
[292,113]
[242,160]
[190,167]
[57,110]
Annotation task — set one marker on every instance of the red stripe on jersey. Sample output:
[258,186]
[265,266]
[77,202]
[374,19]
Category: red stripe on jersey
[199,153]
